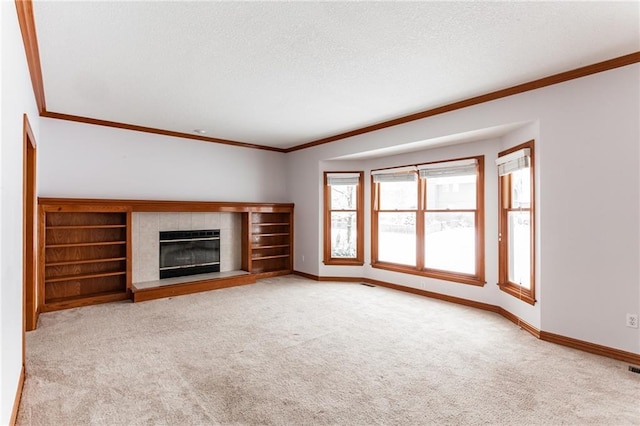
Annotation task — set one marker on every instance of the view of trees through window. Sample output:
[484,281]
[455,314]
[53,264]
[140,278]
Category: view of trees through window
[344,230]
[519,230]
[343,220]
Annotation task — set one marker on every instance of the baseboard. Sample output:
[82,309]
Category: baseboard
[593,348]
[305,275]
[324,279]
[434,295]
[16,402]
[519,322]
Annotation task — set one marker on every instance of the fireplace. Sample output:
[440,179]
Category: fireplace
[189,252]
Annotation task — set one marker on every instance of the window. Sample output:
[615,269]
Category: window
[343,222]
[428,220]
[397,213]
[516,222]
[450,216]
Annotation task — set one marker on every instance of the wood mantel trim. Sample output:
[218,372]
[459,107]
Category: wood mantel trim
[169,206]
[30,41]
[562,77]
[593,348]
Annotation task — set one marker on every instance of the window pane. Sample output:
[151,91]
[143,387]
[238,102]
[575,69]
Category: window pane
[521,189]
[451,192]
[519,248]
[344,234]
[397,238]
[343,197]
[450,242]
[398,195]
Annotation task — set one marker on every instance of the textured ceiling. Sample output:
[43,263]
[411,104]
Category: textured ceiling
[285,73]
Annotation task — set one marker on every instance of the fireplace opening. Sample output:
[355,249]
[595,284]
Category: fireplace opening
[189,252]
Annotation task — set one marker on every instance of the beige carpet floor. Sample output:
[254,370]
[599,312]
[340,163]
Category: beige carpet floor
[289,351]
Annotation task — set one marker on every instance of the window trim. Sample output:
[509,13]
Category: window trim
[514,289]
[477,279]
[344,261]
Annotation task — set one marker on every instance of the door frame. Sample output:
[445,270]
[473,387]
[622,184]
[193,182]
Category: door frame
[29,230]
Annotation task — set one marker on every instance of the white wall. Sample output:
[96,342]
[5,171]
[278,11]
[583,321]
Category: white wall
[589,208]
[588,183]
[17,99]
[88,161]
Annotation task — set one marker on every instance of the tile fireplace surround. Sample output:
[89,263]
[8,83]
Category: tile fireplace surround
[146,246]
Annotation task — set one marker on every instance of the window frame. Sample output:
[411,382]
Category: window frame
[477,279]
[504,189]
[358,260]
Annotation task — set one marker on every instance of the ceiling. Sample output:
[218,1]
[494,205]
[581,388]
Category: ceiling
[282,74]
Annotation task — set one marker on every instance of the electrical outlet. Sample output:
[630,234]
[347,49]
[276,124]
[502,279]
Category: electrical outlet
[303,258]
[632,320]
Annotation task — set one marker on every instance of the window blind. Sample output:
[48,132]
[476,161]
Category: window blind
[399,174]
[335,179]
[513,162]
[449,168]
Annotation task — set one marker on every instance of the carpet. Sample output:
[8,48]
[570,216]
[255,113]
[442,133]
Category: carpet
[290,351]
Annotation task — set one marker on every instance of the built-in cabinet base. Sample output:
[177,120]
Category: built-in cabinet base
[195,285]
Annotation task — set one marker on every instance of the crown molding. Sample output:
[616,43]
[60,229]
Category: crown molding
[134,127]
[30,41]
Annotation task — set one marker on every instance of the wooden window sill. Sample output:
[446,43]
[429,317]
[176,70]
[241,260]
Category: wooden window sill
[517,292]
[440,275]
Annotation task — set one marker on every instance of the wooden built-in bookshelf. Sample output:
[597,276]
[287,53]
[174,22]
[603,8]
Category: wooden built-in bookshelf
[85,248]
[84,256]
[270,239]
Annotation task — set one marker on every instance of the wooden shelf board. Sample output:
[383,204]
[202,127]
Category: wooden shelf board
[83,276]
[103,243]
[269,246]
[85,226]
[277,256]
[277,234]
[86,261]
[271,224]
[83,300]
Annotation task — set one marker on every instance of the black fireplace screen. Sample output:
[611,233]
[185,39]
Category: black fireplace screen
[189,252]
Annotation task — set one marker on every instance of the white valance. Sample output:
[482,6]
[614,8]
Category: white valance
[466,167]
[335,179]
[398,174]
[513,162]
